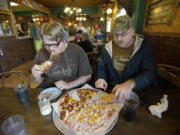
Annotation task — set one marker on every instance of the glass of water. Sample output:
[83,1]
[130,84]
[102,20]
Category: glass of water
[14,125]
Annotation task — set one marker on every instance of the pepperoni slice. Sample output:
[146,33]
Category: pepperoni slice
[62,104]
[66,99]
[70,108]
[62,115]
[110,113]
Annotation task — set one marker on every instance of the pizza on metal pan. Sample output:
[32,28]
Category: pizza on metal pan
[82,112]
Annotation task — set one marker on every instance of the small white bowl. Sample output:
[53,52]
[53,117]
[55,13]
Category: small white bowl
[56,92]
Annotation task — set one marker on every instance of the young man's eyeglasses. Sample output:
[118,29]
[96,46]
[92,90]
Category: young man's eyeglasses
[53,45]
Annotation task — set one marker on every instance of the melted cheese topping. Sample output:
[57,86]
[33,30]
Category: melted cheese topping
[83,115]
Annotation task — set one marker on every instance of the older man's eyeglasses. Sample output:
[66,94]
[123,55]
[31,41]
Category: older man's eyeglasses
[53,45]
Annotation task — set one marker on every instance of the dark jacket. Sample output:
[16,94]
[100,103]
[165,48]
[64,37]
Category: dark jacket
[87,46]
[141,68]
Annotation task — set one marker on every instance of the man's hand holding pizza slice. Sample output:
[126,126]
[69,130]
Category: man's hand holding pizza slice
[44,67]
[37,70]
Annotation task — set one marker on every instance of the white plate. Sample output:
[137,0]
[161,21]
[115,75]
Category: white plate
[56,92]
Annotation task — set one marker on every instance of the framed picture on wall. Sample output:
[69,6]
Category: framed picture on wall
[5,25]
[161,12]
[4,5]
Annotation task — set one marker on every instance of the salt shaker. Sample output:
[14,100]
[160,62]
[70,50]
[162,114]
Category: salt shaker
[44,106]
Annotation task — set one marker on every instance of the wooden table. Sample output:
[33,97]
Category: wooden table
[144,123]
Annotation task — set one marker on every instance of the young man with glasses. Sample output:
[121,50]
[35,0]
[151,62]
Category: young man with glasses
[70,66]
[127,62]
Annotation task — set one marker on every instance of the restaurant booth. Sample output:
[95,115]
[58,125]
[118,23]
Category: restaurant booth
[158,22]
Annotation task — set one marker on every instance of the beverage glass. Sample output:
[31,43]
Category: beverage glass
[22,93]
[44,106]
[36,79]
[14,125]
[130,107]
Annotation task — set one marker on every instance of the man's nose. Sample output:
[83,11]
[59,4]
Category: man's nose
[119,38]
[51,48]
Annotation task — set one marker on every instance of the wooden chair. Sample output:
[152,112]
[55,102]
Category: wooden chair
[170,73]
[14,78]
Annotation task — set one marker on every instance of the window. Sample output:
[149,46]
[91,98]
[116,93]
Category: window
[5,25]
[121,12]
[108,29]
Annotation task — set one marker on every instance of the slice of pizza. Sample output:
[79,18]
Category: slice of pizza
[45,66]
[107,98]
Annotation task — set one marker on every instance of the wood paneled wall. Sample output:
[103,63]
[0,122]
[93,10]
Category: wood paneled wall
[15,52]
[165,38]
[167,49]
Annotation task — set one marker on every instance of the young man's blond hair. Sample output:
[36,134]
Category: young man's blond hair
[53,31]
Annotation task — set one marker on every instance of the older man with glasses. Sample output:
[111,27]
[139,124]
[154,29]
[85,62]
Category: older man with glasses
[70,66]
[127,62]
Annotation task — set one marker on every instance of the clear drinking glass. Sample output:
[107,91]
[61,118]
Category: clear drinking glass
[14,125]
[22,93]
[36,79]
[44,106]
[130,106]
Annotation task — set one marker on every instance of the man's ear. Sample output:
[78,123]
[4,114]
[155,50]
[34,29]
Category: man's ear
[132,31]
[63,40]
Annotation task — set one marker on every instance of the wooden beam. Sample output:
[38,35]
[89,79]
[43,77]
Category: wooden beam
[127,4]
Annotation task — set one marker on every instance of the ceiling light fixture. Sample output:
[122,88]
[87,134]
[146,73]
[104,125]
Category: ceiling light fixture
[109,11]
[101,19]
[66,9]
[13,4]
[81,17]
[71,10]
